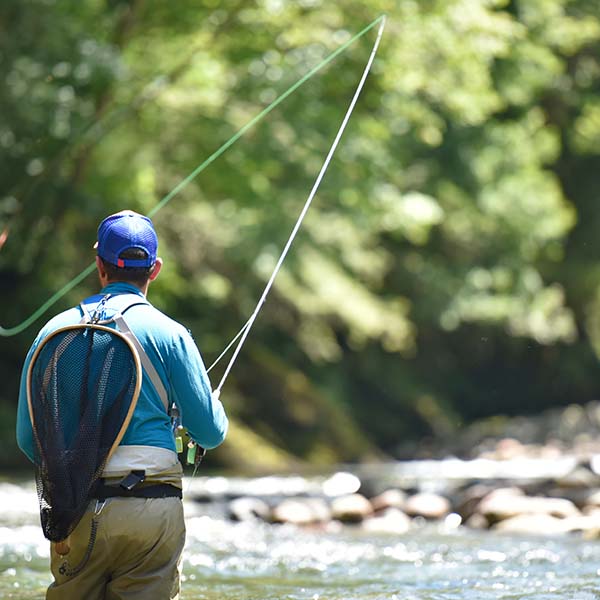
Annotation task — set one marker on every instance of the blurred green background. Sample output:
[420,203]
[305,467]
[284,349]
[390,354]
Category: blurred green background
[448,269]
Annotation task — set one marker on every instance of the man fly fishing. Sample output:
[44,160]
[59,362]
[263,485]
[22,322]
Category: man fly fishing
[94,416]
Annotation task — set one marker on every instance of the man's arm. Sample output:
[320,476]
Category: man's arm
[201,414]
[24,428]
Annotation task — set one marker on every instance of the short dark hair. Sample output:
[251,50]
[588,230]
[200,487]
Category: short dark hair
[136,275]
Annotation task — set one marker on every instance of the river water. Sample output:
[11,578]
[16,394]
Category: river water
[258,561]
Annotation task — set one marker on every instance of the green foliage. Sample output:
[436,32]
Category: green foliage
[447,265]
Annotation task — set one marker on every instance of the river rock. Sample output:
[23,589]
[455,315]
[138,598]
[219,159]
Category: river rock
[593,498]
[580,477]
[505,503]
[341,484]
[17,505]
[477,521]
[509,448]
[593,534]
[578,496]
[248,509]
[592,529]
[535,524]
[320,509]
[427,505]
[545,524]
[586,524]
[351,508]
[392,498]
[390,520]
[468,500]
[301,511]
[583,498]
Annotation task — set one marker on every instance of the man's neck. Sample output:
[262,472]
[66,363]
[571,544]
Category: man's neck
[143,289]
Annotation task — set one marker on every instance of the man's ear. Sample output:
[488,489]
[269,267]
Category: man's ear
[156,269]
[100,267]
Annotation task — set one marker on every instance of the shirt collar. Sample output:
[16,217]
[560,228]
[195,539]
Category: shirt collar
[121,287]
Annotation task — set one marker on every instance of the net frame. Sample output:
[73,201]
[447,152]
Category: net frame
[113,331]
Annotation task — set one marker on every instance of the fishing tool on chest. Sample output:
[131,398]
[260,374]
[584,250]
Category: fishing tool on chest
[194,452]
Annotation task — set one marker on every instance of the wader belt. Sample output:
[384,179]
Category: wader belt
[159,490]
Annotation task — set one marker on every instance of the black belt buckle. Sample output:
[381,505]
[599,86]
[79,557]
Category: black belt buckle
[131,481]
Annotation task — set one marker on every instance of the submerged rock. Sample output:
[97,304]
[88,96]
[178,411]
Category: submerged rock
[467,501]
[505,503]
[248,509]
[592,534]
[579,477]
[534,524]
[390,520]
[427,505]
[477,521]
[593,498]
[301,511]
[587,524]
[546,524]
[392,498]
[595,464]
[352,508]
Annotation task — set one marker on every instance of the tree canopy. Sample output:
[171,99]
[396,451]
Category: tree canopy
[447,269]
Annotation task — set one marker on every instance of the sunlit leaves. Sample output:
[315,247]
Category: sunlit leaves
[586,133]
[410,215]
[519,300]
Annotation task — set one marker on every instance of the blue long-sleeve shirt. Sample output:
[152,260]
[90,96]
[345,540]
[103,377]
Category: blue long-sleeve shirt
[176,358]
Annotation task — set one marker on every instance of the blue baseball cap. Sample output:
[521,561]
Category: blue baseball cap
[124,230]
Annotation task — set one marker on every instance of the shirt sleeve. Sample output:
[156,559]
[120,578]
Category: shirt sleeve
[24,428]
[202,415]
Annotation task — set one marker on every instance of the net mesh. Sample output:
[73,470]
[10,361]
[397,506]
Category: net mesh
[82,384]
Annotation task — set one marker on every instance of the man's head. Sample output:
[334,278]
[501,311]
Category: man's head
[126,247]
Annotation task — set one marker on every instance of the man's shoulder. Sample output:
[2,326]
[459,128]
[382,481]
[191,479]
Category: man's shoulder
[153,320]
[68,317]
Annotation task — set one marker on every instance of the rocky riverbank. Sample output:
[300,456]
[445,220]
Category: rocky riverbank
[537,475]
[533,506]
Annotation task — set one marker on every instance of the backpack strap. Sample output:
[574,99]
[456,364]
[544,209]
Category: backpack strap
[87,317]
[147,365]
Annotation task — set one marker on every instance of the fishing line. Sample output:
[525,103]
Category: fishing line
[248,326]
[245,330]
[227,348]
[11,331]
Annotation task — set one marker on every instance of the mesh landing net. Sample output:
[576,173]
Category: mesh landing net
[83,385]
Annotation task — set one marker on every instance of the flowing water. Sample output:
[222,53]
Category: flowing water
[246,561]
